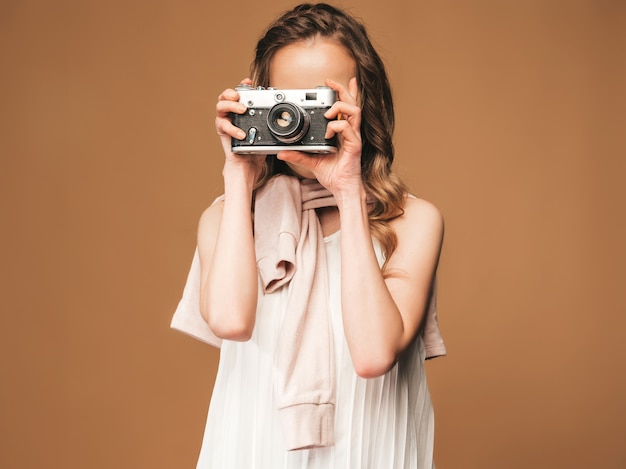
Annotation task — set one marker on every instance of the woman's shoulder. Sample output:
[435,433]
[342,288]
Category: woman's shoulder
[212,215]
[421,216]
[416,208]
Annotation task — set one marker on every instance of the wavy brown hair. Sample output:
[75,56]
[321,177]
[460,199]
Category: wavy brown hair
[383,186]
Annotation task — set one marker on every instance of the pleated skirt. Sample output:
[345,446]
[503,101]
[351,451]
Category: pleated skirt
[380,423]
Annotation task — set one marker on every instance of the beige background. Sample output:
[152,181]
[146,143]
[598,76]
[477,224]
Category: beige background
[511,117]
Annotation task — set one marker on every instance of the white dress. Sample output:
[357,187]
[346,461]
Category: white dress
[380,423]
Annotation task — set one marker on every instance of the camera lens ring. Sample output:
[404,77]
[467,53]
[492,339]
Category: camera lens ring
[288,122]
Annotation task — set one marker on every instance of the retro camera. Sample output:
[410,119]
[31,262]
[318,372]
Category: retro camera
[284,120]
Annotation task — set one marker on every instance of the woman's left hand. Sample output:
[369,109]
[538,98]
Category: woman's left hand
[341,170]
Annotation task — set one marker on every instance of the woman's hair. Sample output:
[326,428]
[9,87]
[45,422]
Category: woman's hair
[383,186]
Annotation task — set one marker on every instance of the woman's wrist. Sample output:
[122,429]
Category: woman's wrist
[350,195]
[239,181]
[240,173]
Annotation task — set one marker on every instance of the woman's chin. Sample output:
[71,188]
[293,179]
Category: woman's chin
[301,171]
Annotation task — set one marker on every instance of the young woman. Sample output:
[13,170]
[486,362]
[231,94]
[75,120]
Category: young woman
[316,274]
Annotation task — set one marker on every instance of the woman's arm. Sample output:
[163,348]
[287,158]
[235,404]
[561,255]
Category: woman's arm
[382,315]
[229,278]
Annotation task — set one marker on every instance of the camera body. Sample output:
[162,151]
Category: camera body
[284,120]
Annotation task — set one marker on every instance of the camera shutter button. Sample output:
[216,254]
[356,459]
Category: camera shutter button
[252,131]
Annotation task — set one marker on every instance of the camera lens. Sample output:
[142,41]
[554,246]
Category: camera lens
[288,122]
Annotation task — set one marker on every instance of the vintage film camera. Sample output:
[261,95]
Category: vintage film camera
[284,120]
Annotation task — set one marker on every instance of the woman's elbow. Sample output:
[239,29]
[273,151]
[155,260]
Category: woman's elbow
[230,326]
[373,367]
[232,330]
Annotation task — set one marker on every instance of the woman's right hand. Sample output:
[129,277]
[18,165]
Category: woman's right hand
[228,103]
[229,276]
